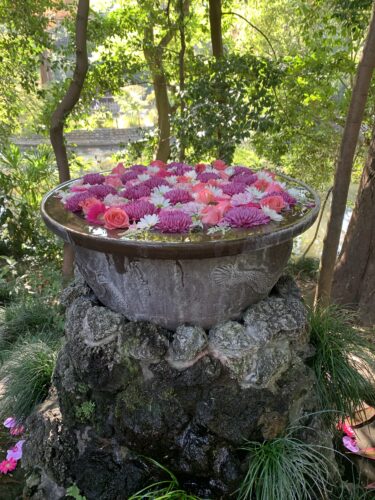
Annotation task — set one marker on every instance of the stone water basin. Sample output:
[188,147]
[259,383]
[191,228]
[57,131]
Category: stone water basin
[175,279]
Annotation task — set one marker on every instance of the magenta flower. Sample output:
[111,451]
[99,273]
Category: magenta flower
[174,221]
[101,191]
[179,168]
[350,444]
[139,169]
[155,182]
[129,176]
[245,217]
[178,196]
[234,188]
[10,422]
[246,178]
[136,192]
[8,466]
[206,176]
[16,451]
[95,214]
[242,170]
[93,179]
[73,202]
[17,431]
[289,199]
[138,209]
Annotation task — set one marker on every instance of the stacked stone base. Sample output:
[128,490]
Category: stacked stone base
[128,391]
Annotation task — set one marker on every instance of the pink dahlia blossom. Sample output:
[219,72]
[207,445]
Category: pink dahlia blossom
[136,192]
[95,213]
[242,170]
[138,209]
[93,179]
[178,196]
[261,184]
[16,451]
[174,221]
[233,188]
[129,175]
[8,466]
[245,217]
[247,178]
[206,176]
[153,182]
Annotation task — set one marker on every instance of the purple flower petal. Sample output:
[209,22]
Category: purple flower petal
[245,217]
[174,221]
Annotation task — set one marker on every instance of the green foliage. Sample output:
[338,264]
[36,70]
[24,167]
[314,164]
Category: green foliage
[343,362]
[85,411]
[305,267]
[286,468]
[24,179]
[168,489]
[27,374]
[73,491]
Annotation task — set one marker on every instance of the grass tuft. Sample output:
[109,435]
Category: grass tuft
[26,375]
[344,362]
[304,267]
[169,489]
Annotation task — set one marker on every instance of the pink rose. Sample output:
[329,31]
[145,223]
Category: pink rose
[277,203]
[158,163]
[211,215]
[95,213]
[219,164]
[198,187]
[116,218]
[183,179]
[274,187]
[205,196]
[261,184]
[119,170]
[200,167]
[223,207]
[113,180]
[88,203]
[163,173]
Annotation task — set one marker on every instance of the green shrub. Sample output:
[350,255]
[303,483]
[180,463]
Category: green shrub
[343,362]
[27,374]
[305,267]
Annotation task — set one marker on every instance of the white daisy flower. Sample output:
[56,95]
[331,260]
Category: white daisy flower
[173,179]
[153,170]
[143,177]
[112,199]
[229,171]
[265,176]
[148,221]
[297,193]
[161,190]
[210,169]
[255,193]
[241,199]
[191,174]
[216,191]
[272,214]
[159,201]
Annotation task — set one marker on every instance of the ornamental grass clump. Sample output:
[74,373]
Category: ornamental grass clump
[344,362]
[286,468]
[168,489]
[26,375]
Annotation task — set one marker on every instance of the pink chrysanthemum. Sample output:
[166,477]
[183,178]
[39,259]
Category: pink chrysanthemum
[174,221]
[177,168]
[246,178]
[136,192]
[206,176]
[139,169]
[155,182]
[179,196]
[101,191]
[288,198]
[245,217]
[93,179]
[234,188]
[242,170]
[138,209]
[128,176]
[73,203]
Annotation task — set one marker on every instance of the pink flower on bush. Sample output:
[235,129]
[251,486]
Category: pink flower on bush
[119,169]
[8,466]
[116,218]
[95,213]
[274,202]
[16,451]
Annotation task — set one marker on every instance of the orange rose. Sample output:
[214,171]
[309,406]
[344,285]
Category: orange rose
[116,218]
[275,202]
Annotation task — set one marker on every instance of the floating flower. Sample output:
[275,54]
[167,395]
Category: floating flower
[16,451]
[158,163]
[119,169]
[272,214]
[246,178]
[192,208]
[8,466]
[101,191]
[288,199]
[143,177]
[113,200]
[234,188]
[274,202]
[242,170]
[139,169]
[200,167]
[116,218]
[241,199]
[245,217]
[211,215]
[88,203]
[136,192]
[128,176]
[219,164]
[159,201]
[10,422]
[148,221]
[138,209]
[174,221]
[113,180]
[261,184]
[95,213]
[73,204]
[179,168]
[205,196]
[178,196]
[154,182]
[206,176]
[93,179]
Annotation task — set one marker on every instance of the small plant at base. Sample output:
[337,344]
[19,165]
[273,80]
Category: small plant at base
[169,489]
[74,492]
[285,468]
[85,411]
[306,267]
[343,362]
[27,373]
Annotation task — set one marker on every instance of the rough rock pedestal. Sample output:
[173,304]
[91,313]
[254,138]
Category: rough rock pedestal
[124,391]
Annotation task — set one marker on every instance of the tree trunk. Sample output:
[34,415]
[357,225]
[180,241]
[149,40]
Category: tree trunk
[163,107]
[181,72]
[215,28]
[65,107]
[354,278]
[344,166]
